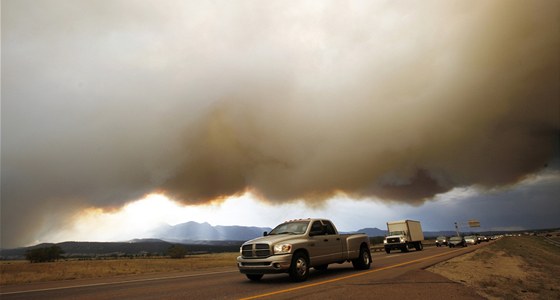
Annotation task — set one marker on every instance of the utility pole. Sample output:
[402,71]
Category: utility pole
[457,229]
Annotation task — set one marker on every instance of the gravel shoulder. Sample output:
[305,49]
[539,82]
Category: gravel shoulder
[511,268]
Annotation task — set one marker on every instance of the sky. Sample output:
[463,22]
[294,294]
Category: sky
[117,116]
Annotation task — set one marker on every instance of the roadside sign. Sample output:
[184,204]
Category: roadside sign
[474,223]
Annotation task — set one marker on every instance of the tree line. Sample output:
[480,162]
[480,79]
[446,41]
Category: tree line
[54,253]
[46,254]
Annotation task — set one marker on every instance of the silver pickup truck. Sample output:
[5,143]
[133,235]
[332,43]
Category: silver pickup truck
[295,246]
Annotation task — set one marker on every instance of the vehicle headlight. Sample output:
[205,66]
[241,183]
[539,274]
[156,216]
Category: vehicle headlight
[384,241]
[282,248]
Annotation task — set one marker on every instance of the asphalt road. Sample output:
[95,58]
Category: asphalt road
[395,275]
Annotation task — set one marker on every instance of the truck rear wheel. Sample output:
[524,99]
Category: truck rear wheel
[299,270]
[254,277]
[363,262]
[418,246]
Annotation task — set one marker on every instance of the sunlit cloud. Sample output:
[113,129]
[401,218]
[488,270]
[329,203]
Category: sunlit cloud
[140,219]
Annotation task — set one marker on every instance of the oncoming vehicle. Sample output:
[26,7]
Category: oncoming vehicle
[295,246]
[457,241]
[482,238]
[441,241]
[471,239]
[403,235]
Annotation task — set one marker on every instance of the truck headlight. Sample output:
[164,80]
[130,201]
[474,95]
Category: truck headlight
[384,241]
[282,248]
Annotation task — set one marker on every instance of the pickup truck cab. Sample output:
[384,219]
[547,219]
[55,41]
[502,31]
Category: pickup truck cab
[295,246]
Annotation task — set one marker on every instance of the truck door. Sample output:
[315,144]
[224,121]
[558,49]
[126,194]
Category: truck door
[319,251]
[334,242]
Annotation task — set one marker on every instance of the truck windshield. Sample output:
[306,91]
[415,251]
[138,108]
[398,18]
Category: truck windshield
[299,227]
[397,233]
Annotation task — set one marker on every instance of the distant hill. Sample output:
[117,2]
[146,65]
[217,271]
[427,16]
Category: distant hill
[193,231]
[137,247]
[197,238]
[372,232]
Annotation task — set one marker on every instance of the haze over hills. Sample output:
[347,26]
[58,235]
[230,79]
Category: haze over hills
[193,231]
[196,237]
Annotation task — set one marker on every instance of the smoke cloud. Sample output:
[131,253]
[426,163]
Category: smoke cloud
[103,102]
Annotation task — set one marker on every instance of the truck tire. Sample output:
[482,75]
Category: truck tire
[387,250]
[363,262]
[418,246]
[299,269]
[254,277]
[405,248]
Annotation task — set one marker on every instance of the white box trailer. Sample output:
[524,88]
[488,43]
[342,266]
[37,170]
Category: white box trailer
[403,235]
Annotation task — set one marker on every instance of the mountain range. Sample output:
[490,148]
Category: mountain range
[198,238]
[190,232]
[200,232]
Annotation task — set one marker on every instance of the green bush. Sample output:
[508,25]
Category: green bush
[177,251]
[45,254]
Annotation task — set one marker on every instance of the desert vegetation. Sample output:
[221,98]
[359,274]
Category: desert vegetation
[22,271]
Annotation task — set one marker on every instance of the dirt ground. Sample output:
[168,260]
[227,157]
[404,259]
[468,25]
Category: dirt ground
[511,268]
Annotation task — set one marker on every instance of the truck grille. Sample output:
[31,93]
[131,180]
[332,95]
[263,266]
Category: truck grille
[255,251]
[393,240]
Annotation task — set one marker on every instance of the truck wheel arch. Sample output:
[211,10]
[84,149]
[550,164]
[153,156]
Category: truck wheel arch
[363,262]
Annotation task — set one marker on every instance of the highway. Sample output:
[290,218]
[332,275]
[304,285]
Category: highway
[390,276]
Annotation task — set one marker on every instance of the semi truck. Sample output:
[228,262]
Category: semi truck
[295,246]
[403,235]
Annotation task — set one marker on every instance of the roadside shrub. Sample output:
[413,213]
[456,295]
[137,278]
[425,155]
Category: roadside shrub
[45,254]
[177,251]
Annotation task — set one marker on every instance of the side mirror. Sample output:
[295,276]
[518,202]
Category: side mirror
[265,233]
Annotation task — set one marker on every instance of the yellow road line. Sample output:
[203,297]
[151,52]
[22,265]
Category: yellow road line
[345,277]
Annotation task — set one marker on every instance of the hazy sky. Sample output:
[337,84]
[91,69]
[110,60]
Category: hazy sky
[359,111]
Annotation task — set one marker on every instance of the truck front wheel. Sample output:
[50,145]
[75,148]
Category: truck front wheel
[418,246]
[363,262]
[299,270]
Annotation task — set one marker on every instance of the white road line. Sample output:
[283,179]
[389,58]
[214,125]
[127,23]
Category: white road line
[117,282]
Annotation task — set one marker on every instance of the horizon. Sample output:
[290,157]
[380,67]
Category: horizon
[218,242]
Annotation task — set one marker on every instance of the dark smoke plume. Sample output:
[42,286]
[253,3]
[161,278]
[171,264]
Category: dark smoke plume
[105,102]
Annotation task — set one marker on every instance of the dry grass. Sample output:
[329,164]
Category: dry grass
[17,272]
[511,268]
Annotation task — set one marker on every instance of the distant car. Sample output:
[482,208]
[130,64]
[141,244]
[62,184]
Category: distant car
[471,239]
[482,238]
[457,241]
[441,241]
